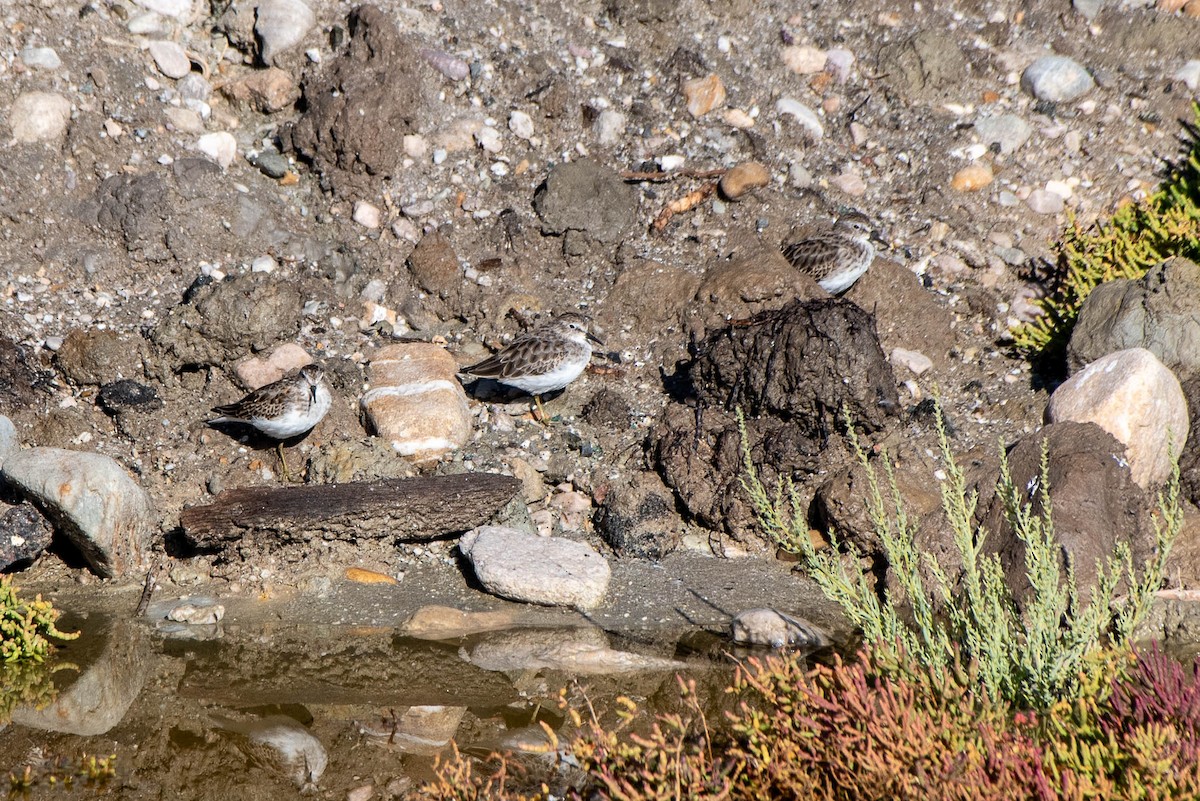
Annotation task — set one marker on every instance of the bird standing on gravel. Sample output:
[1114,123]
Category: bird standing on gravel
[284,409]
[543,360]
[839,257]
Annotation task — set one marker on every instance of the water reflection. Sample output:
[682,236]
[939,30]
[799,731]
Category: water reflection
[266,710]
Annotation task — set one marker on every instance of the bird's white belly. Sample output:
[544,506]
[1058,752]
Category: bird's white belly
[839,282]
[295,421]
[548,382]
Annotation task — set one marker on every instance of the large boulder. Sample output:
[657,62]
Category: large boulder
[1134,397]
[1159,312]
[93,501]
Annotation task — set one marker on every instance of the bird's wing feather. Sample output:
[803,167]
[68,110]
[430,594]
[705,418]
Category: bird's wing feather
[814,253]
[527,355]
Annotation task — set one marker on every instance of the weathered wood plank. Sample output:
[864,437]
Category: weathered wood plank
[399,509]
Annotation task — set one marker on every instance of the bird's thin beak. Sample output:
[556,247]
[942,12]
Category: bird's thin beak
[878,237]
[594,338]
[312,392]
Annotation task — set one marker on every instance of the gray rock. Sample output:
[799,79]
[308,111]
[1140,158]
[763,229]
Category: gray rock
[775,629]
[270,163]
[542,570]
[193,86]
[170,59]
[24,533]
[280,25]
[1088,9]
[639,519]
[1008,130]
[93,501]
[99,699]
[39,117]
[9,441]
[225,320]
[41,58]
[1056,79]
[1159,312]
[587,197]
[1134,397]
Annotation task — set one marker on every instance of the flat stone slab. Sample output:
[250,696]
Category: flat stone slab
[543,570]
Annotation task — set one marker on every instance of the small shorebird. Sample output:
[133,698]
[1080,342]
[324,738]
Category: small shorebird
[283,409]
[839,257]
[543,360]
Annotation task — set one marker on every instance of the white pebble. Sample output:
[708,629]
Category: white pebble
[221,147]
[521,125]
[915,361]
[1042,201]
[263,264]
[367,214]
[610,127]
[489,139]
[281,25]
[1060,188]
[671,163]
[1056,79]
[804,115]
[179,9]
[1189,73]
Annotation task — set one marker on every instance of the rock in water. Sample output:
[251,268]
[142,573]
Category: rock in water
[103,511]
[416,402]
[776,629]
[1133,396]
[541,570]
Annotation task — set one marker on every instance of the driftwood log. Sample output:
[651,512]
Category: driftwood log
[397,509]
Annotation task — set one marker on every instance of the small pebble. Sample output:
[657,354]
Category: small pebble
[851,183]
[1008,130]
[804,115]
[193,86]
[703,95]
[1044,202]
[197,614]
[915,361]
[453,68]
[179,9]
[804,59]
[737,118]
[271,164]
[743,178]
[170,59]
[1088,9]
[489,139]
[838,63]
[972,177]
[40,58]
[367,214]
[1056,79]
[264,264]
[672,162]
[221,147]
[610,127]
[521,125]
[39,117]
[1189,73]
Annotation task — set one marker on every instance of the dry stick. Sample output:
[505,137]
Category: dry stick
[629,175]
[689,201]
[147,589]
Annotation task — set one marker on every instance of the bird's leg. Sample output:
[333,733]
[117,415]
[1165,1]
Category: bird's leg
[540,416]
[283,462]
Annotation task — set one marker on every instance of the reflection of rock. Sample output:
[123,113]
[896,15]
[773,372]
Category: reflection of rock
[98,700]
[776,629]
[446,623]
[578,651]
[419,729]
[542,570]
[284,741]
[93,500]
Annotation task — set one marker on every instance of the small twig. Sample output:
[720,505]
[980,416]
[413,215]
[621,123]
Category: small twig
[629,175]
[147,590]
[686,203]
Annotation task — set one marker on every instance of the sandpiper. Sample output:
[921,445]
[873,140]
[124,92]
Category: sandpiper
[283,409]
[543,360]
[839,257]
